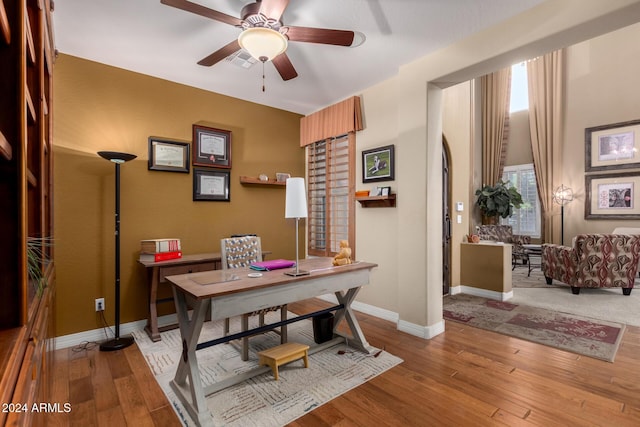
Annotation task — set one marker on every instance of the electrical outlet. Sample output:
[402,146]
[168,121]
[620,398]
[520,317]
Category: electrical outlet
[99,304]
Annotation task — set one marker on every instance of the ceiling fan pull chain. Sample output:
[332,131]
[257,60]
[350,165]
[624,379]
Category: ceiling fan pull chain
[263,61]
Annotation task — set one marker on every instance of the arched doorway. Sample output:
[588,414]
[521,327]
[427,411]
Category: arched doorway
[446,219]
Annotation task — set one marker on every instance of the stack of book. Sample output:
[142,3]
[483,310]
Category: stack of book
[155,250]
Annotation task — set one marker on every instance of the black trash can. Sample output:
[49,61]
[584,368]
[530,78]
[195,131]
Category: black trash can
[323,327]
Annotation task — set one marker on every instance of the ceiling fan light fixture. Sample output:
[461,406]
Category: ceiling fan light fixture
[264,44]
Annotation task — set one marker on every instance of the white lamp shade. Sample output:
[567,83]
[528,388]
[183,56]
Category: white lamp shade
[296,199]
[263,44]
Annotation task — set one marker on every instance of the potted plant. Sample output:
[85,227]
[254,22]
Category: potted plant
[37,258]
[498,201]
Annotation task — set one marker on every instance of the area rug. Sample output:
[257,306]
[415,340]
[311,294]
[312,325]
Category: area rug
[522,279]
[582,335]
[262,401]
[598,303]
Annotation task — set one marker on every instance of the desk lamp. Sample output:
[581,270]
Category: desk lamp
[117,342]
[296,207]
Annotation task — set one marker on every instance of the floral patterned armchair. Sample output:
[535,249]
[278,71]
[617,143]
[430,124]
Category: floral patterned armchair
[594,261]
[504,233]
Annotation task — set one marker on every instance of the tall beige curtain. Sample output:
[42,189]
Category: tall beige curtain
[546,94]
[495,89]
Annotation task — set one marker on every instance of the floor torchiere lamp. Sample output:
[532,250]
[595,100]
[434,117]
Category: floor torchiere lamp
[117,342]
[562,195]
[296,207]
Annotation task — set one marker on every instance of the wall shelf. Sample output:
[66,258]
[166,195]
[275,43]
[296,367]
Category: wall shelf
[254,180]
[378,201]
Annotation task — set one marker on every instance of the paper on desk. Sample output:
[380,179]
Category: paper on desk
[209,279]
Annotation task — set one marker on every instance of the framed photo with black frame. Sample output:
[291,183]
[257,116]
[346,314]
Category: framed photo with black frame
[211,147]
[168,155]
[211,185]
[612,196]
[612,147]
[378,164]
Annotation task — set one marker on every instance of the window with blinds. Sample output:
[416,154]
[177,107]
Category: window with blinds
[527,219]
[331,183]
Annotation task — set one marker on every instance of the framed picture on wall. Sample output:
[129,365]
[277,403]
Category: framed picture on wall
[613,196]
[211,147]
[612,147]
[168,155]
[378,164]
[211,185]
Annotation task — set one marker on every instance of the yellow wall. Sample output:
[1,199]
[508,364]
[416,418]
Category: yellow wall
[98,107]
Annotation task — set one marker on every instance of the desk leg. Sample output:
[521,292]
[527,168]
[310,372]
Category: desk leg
[152,321]
[358,339]
[187,383]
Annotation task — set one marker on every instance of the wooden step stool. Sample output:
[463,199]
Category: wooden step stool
[282,354]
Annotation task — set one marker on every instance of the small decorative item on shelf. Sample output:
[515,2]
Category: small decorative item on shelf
[282,177]
[263,177]
[362,193]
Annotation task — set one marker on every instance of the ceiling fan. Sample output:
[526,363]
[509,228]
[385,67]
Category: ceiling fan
[263,34]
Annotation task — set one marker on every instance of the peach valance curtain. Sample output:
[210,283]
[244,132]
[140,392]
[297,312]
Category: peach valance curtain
[338,119]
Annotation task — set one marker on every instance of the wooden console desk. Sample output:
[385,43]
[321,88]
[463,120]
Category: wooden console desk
[156,273]
[231,292]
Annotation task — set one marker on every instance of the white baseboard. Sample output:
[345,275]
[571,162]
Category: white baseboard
[499,296]
[98,335]
[366,308]
[427,332]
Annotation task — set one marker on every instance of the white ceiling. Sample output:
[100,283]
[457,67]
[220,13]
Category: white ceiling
[150,38]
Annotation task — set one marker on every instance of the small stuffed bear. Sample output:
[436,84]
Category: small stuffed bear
[344,256]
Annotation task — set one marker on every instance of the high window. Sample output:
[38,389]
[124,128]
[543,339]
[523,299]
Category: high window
[519,99]
[331,180]
[526,220]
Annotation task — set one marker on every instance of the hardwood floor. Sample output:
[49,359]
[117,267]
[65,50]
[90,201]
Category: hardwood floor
[463,377]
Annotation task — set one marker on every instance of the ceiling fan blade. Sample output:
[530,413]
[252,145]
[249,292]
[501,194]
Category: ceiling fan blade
[220,54]
[320,35]
[203,11]
[285,67]
[273,8]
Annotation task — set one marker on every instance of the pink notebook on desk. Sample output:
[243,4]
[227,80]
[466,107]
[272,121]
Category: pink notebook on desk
[274,264]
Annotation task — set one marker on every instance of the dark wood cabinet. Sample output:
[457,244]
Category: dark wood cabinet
[26,170]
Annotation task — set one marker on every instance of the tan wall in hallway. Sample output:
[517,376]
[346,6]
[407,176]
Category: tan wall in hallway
[98,107]
[603,87]
[456,126]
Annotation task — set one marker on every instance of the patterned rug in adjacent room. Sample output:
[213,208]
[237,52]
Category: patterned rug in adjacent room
[590,337]
[262,401]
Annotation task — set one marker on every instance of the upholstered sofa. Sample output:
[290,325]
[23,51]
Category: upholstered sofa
[628,230]
[594,261]
[504,233]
